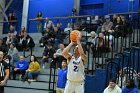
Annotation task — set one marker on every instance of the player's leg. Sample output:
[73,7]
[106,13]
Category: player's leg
[69,87]
[79,87]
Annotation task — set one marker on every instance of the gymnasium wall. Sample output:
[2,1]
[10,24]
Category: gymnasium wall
[102,7]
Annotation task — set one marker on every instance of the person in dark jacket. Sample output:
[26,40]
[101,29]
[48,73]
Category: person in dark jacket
[27,41]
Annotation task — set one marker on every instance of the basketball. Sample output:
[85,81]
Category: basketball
[73,35]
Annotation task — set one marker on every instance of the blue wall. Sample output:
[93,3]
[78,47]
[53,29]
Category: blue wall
[102,7]
[117,6]
[91,7]
[49,8]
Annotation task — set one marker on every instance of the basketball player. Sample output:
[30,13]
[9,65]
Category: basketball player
[4,72]
[75,75]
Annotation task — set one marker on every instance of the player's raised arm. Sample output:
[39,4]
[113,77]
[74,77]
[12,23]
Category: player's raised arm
[80,49]
[66,52]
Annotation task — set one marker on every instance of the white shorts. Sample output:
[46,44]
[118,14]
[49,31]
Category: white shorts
[74,87]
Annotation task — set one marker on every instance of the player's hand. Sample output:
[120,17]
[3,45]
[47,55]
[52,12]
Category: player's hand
[72,42]
[78,37]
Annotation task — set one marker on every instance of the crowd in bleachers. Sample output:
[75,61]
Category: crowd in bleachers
[54,35]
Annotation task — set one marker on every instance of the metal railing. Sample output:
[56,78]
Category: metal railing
[129,55]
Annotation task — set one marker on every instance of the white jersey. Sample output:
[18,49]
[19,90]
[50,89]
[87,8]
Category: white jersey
[76,70]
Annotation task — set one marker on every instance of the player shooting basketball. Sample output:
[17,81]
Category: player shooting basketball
[75,75]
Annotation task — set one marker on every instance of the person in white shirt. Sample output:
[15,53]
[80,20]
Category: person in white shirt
[75,75]
[68,29]
[112,87]
[59,55]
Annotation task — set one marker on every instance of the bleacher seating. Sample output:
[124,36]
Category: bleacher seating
[95,83]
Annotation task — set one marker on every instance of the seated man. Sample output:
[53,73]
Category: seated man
[112,87]
[92,41]
[48,54]
[103,45]
[59,55]
[21,67]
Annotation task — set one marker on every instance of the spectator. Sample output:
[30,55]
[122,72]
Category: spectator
[22,30]
[60,50]
[50,36]
[62,78]
[61,32]
[130,87]
[59,55]
[6,40]
[48,53]
[68,29]
[112,87]
[57,37]
[107,25]
[103,44]
[21,38]
[33,70]
[54,62]
[27,42]
[39,21]
[48,22]
[13,52]
[44,37]
[91,43]
[107,28]
[114,20]
[4,72]
[118,27]
[13,40]
[12,30]
[127,26]
[21,67]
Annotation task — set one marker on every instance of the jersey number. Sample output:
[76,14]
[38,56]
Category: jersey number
[75,69]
